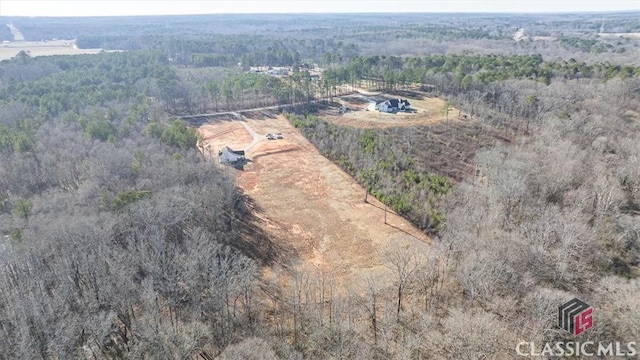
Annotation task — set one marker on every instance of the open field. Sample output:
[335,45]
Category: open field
[309,204]
[427,110]
[635,35]
[43,48]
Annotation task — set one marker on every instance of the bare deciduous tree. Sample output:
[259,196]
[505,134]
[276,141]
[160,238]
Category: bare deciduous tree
[403,261]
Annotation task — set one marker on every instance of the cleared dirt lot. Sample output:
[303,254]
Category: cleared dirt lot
[224,132]
[309,204]
[426,110]
[43,48]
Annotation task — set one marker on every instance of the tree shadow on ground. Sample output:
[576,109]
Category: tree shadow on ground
[239,164]
[260,114]
[403,231]
[406,94]
[201,120]
[253,241]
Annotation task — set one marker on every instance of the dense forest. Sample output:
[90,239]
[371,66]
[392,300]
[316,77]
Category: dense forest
[258,39]
[120,240]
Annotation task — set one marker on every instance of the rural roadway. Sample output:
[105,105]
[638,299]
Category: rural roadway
[232,113]
[236,112]
[257,138]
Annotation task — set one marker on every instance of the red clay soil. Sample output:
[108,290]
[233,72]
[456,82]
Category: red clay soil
[308,203]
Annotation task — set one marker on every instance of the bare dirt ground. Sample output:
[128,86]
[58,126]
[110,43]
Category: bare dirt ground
[224,132]
[309,204]
[43,48]
[427,110]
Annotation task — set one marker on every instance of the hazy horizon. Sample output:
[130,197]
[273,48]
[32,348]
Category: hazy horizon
[54,8]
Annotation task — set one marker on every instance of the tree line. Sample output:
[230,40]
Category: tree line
[462,72]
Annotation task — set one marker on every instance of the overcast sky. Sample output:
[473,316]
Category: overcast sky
[177,7]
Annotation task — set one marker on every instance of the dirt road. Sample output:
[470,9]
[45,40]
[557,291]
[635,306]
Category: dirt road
[17,35]
[257,138]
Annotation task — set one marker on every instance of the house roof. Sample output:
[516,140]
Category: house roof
[397,102]
[228,149]
[229,156]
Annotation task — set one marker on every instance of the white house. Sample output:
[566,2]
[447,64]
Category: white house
[392,106]
[230,157]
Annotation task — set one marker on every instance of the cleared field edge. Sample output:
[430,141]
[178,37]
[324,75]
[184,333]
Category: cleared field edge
[310,204]
[9,50]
